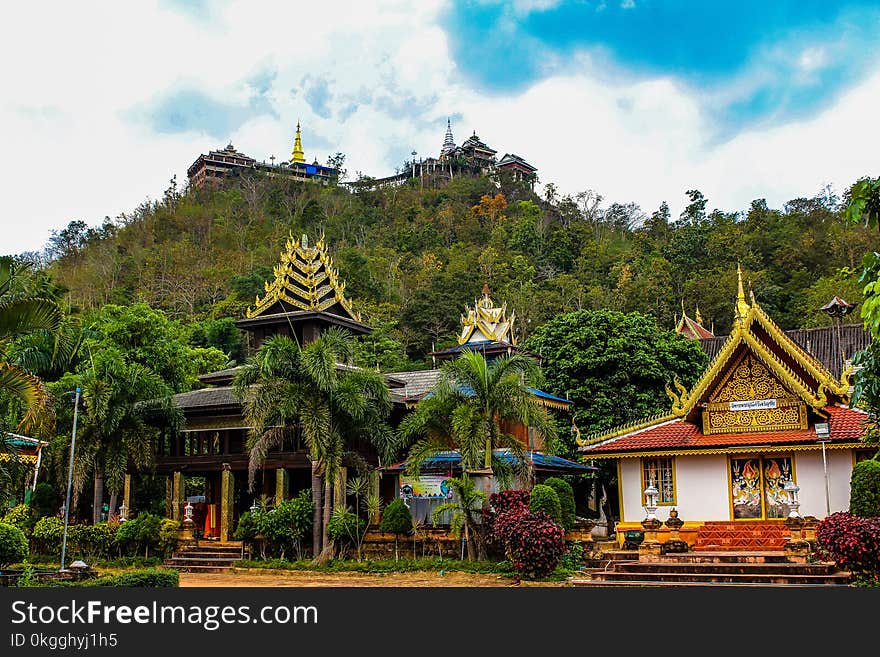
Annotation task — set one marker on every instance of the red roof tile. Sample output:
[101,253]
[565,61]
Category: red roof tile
[846,426]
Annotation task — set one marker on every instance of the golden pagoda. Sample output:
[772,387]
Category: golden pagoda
[297,155]
[305,279]
[486,322]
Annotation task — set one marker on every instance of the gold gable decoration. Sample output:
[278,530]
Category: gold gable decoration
[305,279]
[747,317]
[770,378]
[488,320]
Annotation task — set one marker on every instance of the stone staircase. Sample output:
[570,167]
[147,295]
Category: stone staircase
[741,536]
[722,568]
[207,557]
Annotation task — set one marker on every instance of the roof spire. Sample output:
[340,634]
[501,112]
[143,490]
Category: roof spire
[298,155]
[742,307]
[698,317]
[448,143]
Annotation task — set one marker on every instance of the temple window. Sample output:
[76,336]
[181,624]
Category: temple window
[660,472]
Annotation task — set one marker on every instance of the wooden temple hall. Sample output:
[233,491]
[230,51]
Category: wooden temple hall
[206,463]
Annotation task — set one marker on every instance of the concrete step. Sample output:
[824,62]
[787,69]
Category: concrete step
[595,583]
[727,556]
[786,569]
[206,561]
[230,554]
[201,569]
[670,577]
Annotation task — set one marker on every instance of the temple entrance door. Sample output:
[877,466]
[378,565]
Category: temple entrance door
[756,487]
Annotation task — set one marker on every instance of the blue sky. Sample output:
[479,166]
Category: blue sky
[637,100]
[757,60]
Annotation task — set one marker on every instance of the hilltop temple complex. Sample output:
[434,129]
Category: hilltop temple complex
[227,162]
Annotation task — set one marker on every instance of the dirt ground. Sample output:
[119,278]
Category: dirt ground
[256,578]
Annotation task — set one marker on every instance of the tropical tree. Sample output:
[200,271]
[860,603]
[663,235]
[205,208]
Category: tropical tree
[466,508]
[23,311]
[311,390]
[468,411]
[123,406]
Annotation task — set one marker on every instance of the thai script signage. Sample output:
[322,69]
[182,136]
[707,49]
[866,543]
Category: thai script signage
[753,405]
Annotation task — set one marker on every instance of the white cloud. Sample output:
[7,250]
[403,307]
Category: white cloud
[72,150]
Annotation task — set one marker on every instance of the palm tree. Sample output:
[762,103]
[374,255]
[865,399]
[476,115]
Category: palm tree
[23,311]
[123,406]
[332,405]
[465,509]
[468,409]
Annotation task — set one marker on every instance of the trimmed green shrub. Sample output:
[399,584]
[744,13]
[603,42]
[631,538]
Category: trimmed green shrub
[248,526]
[864,500]
[13,545]
[44,500]
[96,540]
[285,526]
[150,578]
[167,537]
[140,533]
[396,518]
[20,516]
[545,499]
[566,500]
[48,534]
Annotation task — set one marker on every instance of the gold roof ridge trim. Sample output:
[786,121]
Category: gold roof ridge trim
[627,429]
[318,280]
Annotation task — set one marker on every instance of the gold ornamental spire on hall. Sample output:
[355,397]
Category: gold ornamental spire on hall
[298,155]
[742,306]
[305,280]
[486,322]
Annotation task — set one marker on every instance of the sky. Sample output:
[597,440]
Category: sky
[638,100]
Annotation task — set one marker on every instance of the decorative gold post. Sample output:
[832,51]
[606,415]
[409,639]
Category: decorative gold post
[178,489]
[227,483]
[282,485]
[126,494]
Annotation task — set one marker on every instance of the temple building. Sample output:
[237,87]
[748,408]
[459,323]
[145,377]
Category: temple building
[692,328]
[28,453]
[305,298]
[764,418]
[486,328]
[473,157]
[217,165]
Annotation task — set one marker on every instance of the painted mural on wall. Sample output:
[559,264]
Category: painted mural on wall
[757,487]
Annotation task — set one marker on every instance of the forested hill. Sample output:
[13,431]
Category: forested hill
[412,256]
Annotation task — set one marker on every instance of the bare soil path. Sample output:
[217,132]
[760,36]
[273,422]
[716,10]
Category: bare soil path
[272,578]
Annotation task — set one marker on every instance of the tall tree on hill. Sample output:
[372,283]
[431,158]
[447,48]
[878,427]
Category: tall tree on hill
[285,387]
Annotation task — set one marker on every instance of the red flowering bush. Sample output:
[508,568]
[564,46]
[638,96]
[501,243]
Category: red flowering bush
[532,541]
[500,503]
[853,542]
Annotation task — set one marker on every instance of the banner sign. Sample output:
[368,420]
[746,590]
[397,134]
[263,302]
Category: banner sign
[753,405]
[434,487]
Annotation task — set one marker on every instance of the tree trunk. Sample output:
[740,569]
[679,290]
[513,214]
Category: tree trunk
[318,514]
[329,550]
[112,510]
[99,497]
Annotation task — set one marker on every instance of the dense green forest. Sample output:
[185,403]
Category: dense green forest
[412,256]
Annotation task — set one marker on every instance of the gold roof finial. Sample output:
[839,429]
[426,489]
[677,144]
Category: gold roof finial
[298,155]
[742,307]
[698,316]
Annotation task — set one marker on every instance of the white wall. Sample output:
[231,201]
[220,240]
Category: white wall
[810,476]
[702,486]
[700,483]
